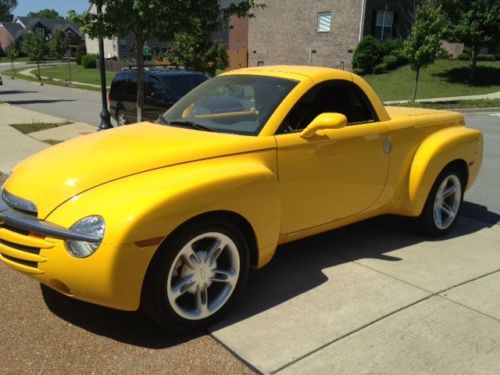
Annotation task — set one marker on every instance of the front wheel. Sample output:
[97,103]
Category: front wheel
[121,117]
[443,203]
[196,277]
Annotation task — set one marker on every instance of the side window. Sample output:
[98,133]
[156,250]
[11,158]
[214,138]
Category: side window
[334,96]
[132,84]
[154,87]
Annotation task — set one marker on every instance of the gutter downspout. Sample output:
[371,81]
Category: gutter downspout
[362,20]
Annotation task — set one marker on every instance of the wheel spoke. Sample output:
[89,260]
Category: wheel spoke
[190,258]
[448,209]
[438,216]
[182,286]
[224,276]
[202,300]
[215,251]
[450,191]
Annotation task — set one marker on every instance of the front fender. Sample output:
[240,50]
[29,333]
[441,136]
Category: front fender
[432,156]
[142,209]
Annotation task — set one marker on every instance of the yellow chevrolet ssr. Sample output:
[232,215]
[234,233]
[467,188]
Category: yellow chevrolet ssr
[170,216]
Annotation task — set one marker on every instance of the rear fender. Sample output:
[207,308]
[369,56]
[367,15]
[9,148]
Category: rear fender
[433,155]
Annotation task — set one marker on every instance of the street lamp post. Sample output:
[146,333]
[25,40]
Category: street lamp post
[105,116]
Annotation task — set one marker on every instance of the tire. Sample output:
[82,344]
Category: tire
[443,203]
[121,118]
[192,280]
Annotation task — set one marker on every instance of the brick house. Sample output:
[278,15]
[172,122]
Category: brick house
[323,32]
[10,34]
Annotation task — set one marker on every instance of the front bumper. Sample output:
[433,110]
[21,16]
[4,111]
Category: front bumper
[112,276]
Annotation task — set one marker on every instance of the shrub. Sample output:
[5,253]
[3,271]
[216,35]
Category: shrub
[80,51]
[388,46]
[358,71]
[390,61]
[467,51]
[367,54]
[486,57]
[443,54]
[380,68]
[400,57]
[463,56]
[89,61]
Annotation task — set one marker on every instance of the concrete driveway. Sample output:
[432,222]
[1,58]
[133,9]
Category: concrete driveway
[370,298]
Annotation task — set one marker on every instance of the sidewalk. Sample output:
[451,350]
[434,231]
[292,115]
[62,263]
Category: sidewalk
[16,146]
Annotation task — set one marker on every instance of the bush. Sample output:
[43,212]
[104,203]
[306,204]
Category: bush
[390,61]
[89,61]
[400,57]
[380,68]
[467,51]
[358,71]
[388,46]
[80,51]
[443,54]
[463,56]
[486,57]
[367,54]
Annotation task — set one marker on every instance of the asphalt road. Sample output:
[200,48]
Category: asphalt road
[44,332]
[72,104]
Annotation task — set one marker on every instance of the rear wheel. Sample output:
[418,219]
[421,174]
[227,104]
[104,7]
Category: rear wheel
[121,118]
[443,203]
[196,276]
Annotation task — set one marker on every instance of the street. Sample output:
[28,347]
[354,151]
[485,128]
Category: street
[72,104]
[373,297]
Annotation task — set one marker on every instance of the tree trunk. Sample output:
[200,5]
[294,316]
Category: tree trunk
[416,85]
[39,74]
[473,69]
[140,76]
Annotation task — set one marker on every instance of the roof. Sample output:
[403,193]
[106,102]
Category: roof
[14,29]
[297,72]
[50,23]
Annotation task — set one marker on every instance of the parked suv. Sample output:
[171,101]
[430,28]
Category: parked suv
[162,89]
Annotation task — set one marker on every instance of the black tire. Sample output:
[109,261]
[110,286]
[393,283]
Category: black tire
[121,117]
[440,212]
[163,278]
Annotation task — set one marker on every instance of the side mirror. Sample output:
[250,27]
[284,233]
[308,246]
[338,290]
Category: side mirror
[327,120]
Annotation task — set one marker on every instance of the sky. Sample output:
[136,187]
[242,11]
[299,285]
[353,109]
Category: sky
[62,6]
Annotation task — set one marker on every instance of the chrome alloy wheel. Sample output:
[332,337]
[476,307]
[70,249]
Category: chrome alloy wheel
[447,201]
[203,276]
[120,118]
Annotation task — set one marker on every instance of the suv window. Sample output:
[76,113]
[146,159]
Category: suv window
[154,87]
[334,96]
[179,85]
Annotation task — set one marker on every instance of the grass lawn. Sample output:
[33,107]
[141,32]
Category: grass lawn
[445,78]
[16,75]
[455,104]
[36,126]
[78,74]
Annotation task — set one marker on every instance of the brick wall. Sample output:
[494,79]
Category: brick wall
[5,39]
[285,32]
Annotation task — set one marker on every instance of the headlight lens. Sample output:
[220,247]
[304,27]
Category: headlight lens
[92,226]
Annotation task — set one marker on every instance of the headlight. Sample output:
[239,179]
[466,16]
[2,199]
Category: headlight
[92,226]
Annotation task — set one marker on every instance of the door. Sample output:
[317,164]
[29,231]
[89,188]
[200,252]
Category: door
[338,172]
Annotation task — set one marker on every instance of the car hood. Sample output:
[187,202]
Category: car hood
[58,173]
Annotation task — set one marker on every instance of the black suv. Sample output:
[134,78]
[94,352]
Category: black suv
[162,89]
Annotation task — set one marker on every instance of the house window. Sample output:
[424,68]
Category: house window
[383,24]
[324,22]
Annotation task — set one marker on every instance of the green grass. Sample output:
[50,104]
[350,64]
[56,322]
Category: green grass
[32,127]
[78,74]
[19,59]
[455,104]
[445,78]
[10,73]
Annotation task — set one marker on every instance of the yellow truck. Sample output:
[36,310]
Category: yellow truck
[170,216]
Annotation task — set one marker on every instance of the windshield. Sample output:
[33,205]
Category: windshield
[237,104]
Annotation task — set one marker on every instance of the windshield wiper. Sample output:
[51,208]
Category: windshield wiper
[191,124]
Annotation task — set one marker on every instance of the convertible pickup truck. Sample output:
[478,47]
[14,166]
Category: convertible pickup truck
[170,216]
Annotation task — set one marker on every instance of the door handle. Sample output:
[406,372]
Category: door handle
[387,145]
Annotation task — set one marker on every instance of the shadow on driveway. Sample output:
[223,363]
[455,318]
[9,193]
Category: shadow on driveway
[13,92]
[37,101]
[295,269]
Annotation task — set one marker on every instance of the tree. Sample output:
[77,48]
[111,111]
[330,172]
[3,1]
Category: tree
[476,23]
[423,44]
[58,43]
[46,13]
[152,19]
[12,54]
[6,8]
[35,47]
